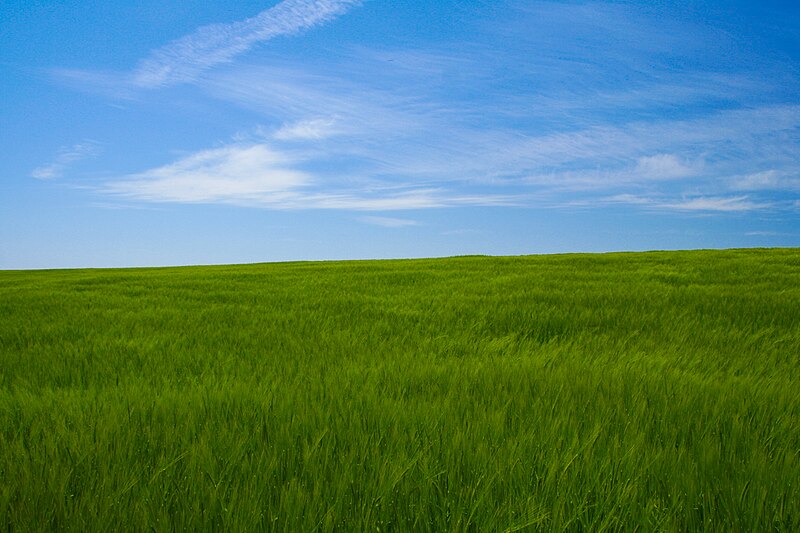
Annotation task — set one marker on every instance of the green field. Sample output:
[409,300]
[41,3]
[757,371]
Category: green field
[658,391]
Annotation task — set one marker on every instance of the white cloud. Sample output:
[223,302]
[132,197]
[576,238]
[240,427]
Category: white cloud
[47,172]
[395,129]
[184,59]
[745,131]
[256,175]
[381,201]
[233,173]
[663,167]
[699,203]
[295,97]
[629,199]
[422,136]
[106,84]
[306,130]
[64,158]
[399,127]
[762,234]
[767,180]
[389,222]
[723,204]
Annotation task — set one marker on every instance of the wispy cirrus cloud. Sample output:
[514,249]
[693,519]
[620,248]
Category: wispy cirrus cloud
[64,158]
[256,175]
[306,130]
[389,222]
[526,117]
[421,135]
[763,234]
[723,204]
[708,204]
[231,174]
[664,167]
[186,58]
[768,180]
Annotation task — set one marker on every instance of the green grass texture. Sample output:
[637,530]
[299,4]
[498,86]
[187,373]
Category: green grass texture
[654,391]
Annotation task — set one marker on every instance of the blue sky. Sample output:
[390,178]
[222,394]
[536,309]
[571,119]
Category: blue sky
[189,132]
